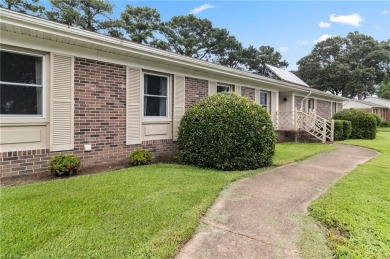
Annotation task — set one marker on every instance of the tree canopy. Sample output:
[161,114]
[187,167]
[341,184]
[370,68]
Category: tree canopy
[92,15]
[348,66]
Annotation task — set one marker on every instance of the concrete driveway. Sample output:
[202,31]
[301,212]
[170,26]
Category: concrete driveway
[254,217]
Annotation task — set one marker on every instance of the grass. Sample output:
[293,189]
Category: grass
[140,212]
[291,152]
[383,129]
[356,210]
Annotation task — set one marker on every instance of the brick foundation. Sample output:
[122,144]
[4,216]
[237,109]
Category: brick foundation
[248,93]
[99,120]
[195,90]
[295,136]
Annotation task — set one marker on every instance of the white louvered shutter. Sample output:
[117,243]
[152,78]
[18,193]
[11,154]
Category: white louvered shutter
[212,87]
[179,104]
[238,89]
[257,95]
[62,103]
[133,106]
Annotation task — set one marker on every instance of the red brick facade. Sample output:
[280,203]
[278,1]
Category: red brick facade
[100,120]
[195,90]
[248,93]
[324,109]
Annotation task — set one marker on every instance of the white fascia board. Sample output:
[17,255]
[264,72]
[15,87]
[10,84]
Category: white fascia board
[133,49]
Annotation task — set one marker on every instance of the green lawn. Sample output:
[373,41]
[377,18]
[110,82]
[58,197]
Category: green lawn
[141,212]
[357,209]
[383,129]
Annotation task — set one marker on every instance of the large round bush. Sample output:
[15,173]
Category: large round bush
[363,124]
[227,132]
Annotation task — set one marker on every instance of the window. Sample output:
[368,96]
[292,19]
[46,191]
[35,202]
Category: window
[265,100]
[310,104]
[223,88]
[155,96]
[21,84]
[334,108]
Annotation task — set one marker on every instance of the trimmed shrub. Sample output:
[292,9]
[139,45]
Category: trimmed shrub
[385,124]
[347,129]
[64,165]
[227,132]
[377,119]
[140,157]
[363,124]
[342,129]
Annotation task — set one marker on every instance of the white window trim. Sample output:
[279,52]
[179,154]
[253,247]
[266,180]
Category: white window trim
[268,100]
[225,85]
[156,118]
[13,117]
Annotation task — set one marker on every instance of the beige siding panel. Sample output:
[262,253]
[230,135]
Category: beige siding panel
[179,104]
[19,136]
[238,89]
[133,106]
[62,103]
[156,130]
[212,87]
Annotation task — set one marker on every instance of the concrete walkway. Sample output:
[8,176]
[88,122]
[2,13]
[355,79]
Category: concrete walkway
[254,217]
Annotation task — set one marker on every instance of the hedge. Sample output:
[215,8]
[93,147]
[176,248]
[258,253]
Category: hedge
[227,132]
[342,129]
[363,124]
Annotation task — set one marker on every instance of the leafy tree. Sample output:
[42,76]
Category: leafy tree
[24,6]
[189,35]
[140,23]
[227,50]
[255,59]
[349,66]
[383,90]
[92,15]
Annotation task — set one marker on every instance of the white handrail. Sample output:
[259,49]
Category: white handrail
[315,125]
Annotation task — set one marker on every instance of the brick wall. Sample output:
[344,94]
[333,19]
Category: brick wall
[248,93]
[195,90]
[100,110]
[323,109]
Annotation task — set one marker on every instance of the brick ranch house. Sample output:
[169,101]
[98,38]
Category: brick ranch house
[374,105]
[67,90]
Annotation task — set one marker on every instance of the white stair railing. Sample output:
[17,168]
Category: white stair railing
[315,125]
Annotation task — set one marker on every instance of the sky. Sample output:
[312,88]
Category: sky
[291,27]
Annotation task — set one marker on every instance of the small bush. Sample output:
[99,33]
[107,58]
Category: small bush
[363,124]
[140,157]
[377,119]
[342,129]
[385,124]
[227,132]
[64,165]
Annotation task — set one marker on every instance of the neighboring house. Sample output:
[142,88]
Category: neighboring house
[72,91]
[371,105]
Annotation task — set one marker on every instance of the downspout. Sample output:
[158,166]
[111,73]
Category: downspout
[304,100]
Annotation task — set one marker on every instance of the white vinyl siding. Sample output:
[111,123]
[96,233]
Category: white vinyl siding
[133,106]
[179,104]
[62,103]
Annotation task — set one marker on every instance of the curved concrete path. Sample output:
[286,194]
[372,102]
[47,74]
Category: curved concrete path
[254,217]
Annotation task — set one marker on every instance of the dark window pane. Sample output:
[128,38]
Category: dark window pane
[223,88]
[263,99]
[155,106]
[18,68]
[20,100]
[155,85]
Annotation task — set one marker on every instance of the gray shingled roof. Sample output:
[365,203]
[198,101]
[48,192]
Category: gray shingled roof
[286,76]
